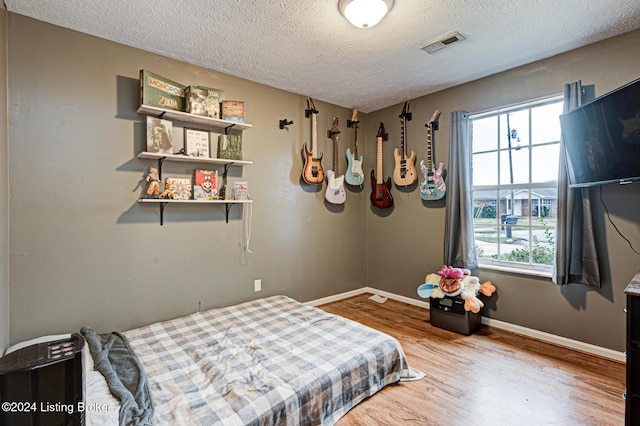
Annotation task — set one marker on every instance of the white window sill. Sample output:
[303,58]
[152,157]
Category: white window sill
[516,270]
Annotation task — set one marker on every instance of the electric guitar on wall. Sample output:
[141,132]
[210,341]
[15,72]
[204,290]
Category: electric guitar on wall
[380,192]
[312,172]
[354,175]
[432,186]
[335,185]
[404,173]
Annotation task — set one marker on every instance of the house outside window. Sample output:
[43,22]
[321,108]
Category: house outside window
[515,154]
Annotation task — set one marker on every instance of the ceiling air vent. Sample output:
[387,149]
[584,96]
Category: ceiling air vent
[442,42]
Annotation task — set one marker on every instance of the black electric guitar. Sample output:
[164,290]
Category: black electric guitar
[380,192]
[312,172]
[404,173]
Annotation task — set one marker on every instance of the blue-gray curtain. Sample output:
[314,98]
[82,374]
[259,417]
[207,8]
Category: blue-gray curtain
[576,260]
[459,244]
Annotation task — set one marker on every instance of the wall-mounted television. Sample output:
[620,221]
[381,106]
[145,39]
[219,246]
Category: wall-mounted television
[602,138]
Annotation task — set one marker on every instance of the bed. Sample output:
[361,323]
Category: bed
[271,361]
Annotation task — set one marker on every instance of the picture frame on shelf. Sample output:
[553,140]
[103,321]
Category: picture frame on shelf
[205,185]
[230,147]
[240,190]
[159,135]
[180,188]
[196,142]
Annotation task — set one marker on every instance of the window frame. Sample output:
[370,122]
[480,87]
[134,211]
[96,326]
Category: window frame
[529,268]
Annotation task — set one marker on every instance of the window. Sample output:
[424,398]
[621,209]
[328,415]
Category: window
[515,153]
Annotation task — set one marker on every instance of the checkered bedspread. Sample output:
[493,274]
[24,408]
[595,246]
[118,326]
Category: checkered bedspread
[272,361]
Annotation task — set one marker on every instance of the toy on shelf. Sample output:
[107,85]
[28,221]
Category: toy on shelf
[453,282]
[169,189]
[152,178]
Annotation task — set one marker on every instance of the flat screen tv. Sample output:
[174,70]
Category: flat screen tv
[602,138]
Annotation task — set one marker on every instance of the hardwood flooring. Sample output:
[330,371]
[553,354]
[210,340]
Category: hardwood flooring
[492,377]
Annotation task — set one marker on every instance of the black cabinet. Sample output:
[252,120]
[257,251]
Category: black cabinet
[632,394]
[42,384]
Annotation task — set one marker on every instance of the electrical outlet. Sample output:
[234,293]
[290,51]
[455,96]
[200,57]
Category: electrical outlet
[257,285]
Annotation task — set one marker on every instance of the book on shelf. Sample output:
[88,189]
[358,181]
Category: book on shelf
[205,101]
[230,147]
[205,185]
[159,135]
[181,188]
[161,92]
[232,111]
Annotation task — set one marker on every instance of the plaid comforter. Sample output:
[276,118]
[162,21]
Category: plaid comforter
[272,361]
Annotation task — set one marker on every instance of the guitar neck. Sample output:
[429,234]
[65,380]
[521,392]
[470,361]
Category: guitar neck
[379,165]
[355,140]
[429,159]
[403,149]
[314,136]
[335,154]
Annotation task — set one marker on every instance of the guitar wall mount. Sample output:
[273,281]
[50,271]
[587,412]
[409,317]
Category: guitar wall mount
[434,126]
[284,123]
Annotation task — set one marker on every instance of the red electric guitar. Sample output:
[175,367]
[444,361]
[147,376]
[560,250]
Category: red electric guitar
[380,192]
[312,172]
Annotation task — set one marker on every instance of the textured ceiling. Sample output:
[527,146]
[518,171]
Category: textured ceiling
[307,47]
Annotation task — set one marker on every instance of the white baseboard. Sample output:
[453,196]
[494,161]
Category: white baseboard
[528,332]
[557,340]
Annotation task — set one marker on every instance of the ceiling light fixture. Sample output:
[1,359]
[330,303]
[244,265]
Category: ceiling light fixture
[364,13]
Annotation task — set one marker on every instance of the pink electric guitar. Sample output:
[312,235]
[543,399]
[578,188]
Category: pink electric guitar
[432,186]
[335,185]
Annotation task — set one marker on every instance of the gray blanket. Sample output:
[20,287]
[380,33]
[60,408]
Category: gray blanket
[125,376]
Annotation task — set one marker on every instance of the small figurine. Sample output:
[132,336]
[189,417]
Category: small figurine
[169,189]
[153,189]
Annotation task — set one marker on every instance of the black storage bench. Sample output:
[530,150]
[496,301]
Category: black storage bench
[448,313]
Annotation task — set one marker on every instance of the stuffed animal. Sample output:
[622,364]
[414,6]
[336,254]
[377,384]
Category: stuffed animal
[450,281]
[451,272]
[469,287]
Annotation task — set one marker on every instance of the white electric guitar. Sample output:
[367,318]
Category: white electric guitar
[354,175]
[404,173]
[335,185]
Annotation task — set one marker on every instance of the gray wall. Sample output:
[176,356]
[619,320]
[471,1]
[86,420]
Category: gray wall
[4,190]
[83,251]
[408,242]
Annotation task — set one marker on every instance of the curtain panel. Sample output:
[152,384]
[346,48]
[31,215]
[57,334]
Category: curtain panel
[459,243]
[576,260]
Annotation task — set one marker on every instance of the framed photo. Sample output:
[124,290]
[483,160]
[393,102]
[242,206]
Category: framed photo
[159,135]
[196,142]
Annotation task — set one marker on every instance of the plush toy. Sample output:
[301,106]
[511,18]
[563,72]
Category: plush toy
[469,287]
[451,272]
[451,280]
[153,189]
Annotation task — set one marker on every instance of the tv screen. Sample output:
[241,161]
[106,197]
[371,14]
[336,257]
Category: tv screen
[602,138]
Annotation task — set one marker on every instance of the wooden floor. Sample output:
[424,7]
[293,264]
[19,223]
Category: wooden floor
[492,377]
